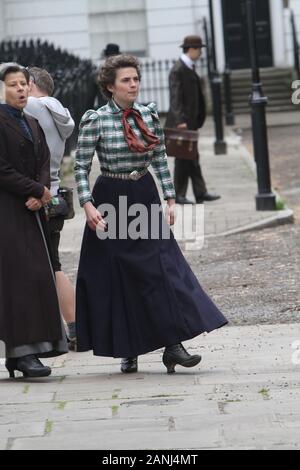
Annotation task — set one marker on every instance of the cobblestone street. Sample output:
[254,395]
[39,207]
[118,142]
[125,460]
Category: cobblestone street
[255,276]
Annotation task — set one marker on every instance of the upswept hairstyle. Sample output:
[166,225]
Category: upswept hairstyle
[108,72]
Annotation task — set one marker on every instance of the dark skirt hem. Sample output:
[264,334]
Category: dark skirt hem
[148,350]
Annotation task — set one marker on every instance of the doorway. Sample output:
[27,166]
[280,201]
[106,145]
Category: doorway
[237,51]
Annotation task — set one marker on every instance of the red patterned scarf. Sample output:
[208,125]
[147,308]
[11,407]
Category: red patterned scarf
[134,143]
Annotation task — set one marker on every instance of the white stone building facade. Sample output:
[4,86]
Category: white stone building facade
[148,28]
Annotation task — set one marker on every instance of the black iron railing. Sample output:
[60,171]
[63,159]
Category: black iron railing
[215,80]
[74,79]
[208,48]
[211,64]
[296,47]
[155,81]
[229,114]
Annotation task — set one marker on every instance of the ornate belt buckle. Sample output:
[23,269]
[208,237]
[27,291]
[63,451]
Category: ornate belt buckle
[134,175]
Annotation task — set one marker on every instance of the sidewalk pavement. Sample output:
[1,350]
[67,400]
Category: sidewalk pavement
[244,394]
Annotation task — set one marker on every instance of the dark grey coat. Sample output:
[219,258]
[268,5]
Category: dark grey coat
[187,102]
[29,311]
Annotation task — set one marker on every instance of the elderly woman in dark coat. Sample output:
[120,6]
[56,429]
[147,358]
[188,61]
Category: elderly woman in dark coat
[30,322]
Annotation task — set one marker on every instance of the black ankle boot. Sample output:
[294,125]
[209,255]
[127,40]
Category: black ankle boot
[129,365]
[176,354]
[30,365]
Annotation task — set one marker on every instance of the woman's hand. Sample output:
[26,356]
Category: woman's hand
[93,217]
[171,212]
[34,204]
[46,196]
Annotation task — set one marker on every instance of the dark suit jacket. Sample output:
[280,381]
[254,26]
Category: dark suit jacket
[187,102]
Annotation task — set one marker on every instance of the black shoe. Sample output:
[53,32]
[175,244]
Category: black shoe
[72,343]
[183,200]
[129,365]
[207,197]
[176,354]
[30,365]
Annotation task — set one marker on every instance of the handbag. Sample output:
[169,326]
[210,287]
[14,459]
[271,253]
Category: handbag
[181,143]
[61,205]
[67,194]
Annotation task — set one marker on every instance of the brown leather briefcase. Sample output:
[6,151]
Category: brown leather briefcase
[181,143]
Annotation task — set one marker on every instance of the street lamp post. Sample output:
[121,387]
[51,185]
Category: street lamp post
[265,199]
[216,88]
[229,114]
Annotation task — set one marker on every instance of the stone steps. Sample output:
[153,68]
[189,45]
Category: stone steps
[276,87]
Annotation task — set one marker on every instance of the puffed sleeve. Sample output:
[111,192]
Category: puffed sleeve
[160,160]
[89,134]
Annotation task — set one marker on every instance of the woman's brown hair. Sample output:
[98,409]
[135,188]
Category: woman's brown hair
[108,72]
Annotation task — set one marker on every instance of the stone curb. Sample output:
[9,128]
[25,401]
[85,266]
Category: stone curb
[285,216]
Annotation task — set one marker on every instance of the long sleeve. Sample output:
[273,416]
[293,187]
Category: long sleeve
[176,98]
[160,160]
[13,181]
[89,134]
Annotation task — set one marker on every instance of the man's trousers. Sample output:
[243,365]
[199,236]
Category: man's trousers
[185,169]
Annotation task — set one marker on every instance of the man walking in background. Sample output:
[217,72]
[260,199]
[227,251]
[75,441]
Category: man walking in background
[98,98]
[188,111]
[58,125]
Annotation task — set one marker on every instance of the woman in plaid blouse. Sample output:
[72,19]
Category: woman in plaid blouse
[135,291]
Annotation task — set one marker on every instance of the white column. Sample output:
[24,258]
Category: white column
[2,21]
[295,6]
[277,32]
[219,34]
[168,23]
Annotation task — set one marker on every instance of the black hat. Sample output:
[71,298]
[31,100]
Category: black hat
[192,41]
[111,49]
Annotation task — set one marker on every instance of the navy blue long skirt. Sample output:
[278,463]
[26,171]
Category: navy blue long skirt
[135,296]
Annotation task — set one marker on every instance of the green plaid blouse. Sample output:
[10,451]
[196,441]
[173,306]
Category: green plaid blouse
[102,131]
